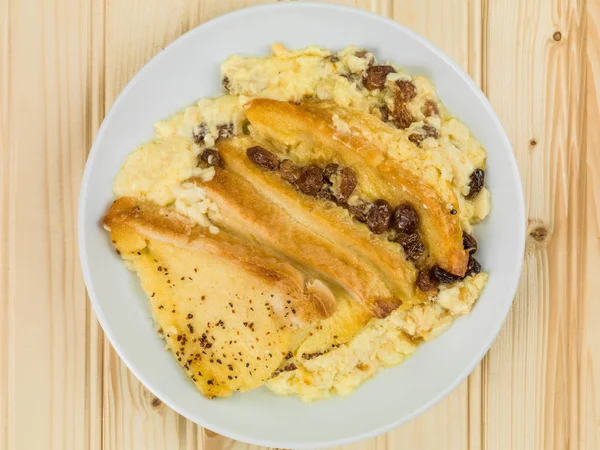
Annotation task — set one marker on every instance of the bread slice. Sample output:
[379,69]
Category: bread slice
[348,320]
[309,133]
[229,311]
[312,233]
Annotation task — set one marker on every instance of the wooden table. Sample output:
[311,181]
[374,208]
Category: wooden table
[63,63]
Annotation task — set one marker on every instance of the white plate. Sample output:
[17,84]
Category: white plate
[188,70]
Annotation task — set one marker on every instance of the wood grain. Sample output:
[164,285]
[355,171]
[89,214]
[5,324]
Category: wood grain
[536,384]
[589,410]
[48,338]
[5,183]
[62,65]
[134,32]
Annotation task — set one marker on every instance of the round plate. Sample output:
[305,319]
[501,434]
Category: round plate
[188,70]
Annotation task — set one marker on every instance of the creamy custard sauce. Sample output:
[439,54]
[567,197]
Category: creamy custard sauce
[158,170]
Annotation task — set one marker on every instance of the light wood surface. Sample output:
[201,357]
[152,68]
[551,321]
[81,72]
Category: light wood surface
[62,65]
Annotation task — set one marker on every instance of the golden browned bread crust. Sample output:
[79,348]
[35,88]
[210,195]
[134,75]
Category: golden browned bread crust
[228,310]
[312,300]
[289,276]
[349,318]
[261,205]
[308,132]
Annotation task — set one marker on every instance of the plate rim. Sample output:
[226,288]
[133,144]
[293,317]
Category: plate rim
[94,153]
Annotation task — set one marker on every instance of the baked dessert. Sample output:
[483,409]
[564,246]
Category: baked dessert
[306,228]
[228,310]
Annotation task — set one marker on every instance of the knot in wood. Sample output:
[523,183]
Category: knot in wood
[152,400]
[557,36]
[540,234]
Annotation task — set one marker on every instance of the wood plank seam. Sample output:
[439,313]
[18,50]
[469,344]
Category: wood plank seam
[95,112]
[591,428]
[8,251]
[383,7]
[580,222]
[476,39]
[4,221]
[10,283]
[484,52]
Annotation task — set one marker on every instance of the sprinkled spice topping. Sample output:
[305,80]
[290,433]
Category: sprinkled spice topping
[286,368]
[311,355]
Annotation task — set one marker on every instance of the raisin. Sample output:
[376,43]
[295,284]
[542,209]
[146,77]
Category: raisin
[364,54]
[330,170]
[426,131]
[333,58]
[224,131]
[426,282]
[212,157]
[351,77]
[413,246]
[378,217]
[430,108]
[469,242]
[402,116]
[476,183]
[385,113]
[289,171]
[325,193]
[360,210]
[263,158]
[375,76]
[311,179]
[416,138]
[442,276]
[430,131]
[226,84]
[200,133]
[347,183]
[406,91]
[473,267]
[405,219]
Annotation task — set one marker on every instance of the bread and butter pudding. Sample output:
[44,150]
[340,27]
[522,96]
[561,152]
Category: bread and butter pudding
[306,228]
